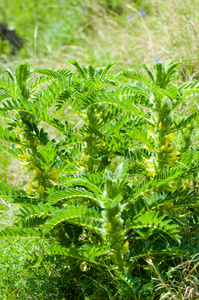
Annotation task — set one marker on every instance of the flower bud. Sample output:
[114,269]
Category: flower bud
[126,246]
[169,137]
[41,189]
[160,125]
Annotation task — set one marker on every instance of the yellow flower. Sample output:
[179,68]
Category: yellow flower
[166,144]
[162,148]
[102,143]
[126,246]
[25,157]
[151,173]
[174,156]
[169,149]
[80,163]
[19,129]
[146,161]
[41,189]
[30,191]
[53,174]
[149,133]
[146,147]
[169,137]
[184,187]
[160,125]
[31,185]
[79,114]
[173,186]
[37,172]
[20,146]
[86,135]
[85,159]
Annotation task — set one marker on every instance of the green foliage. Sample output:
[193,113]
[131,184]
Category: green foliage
[118,188]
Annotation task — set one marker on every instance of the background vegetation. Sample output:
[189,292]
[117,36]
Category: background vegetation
[97,32]
[129,33]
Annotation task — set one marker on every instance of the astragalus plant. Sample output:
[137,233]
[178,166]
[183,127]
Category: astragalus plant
[119,188]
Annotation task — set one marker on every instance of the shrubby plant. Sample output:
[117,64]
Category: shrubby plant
[119,189]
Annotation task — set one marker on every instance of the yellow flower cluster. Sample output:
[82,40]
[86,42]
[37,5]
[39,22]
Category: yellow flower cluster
[151,166]
[79,114]
[53,174]
[167,148]
[86,135]
[26,139]
[25,157]
[150,132]
[31,189]
[170,138]
[102,144]
[41,189]
[171,156]
[41,176]
[84,160]
[126,246]
[37,171]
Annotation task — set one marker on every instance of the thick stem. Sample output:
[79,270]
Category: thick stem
[114,229]
[161,142]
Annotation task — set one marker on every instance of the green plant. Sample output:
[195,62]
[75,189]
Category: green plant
[107,194]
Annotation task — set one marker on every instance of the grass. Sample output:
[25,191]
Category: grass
[92,32]
[104,31]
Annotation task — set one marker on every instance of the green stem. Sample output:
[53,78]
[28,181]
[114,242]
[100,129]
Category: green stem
[161,142]
[113,224]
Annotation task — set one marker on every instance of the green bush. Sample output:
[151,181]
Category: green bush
[115,198]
